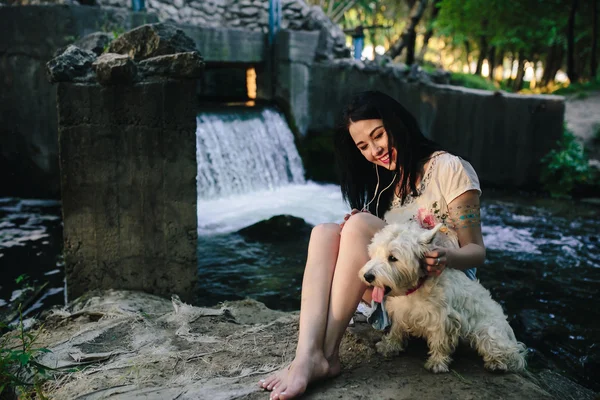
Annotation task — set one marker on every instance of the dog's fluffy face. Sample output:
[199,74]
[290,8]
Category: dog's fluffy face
[396,252]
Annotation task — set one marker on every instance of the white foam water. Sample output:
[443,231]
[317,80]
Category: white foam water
[315,203]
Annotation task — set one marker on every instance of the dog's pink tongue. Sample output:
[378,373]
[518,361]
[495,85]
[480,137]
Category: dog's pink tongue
[377,295]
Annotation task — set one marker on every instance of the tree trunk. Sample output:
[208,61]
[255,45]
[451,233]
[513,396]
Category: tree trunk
[435,10]
[410,48]
[554,61]
[511,61]
[408,35]
[492,63]
[518,82]
[468,51]
[483,49]
[571,71]
[534,83]
[594,59]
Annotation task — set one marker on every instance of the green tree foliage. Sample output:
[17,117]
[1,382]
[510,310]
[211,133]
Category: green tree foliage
[533,30]
[384,13]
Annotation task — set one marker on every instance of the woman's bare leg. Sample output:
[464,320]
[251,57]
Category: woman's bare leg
[344,295]
[347,288]
[323,250]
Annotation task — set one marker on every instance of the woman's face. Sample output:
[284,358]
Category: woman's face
[371,139]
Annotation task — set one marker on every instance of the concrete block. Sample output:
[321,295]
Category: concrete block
[217,45]
[129,177]
[296,46]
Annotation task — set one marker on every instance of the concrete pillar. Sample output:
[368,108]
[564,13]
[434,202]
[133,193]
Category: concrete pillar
[294,55]
[127,157]
[128,177]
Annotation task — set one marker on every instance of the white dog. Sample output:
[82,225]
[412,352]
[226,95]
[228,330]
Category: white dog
[442,309]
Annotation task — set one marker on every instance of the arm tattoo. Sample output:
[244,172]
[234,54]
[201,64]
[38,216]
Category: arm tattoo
[464,216]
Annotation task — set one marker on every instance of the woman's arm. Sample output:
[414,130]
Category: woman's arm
[465,218]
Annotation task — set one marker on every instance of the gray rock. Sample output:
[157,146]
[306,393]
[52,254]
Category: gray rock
[248,11]
[95,42]
[292,5]
[382,60]
[325,47]
[73,65]
[170,10]
[114,68]
[440,76]
[415,73]
[180,65]
[278,228]
[152,40]
[399,70]
[332,41]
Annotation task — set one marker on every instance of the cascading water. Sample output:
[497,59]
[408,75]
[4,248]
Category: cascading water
[249,170]
[242,151]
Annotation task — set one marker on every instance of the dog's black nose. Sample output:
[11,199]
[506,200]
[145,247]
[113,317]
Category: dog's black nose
[369,277]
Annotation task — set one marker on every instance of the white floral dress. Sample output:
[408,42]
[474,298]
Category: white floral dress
[447,177]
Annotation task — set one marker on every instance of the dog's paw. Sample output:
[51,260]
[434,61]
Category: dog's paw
[389,348]
[436,366]
[495,365]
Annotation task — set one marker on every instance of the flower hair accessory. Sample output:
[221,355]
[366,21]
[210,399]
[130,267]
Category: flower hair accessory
[426,219]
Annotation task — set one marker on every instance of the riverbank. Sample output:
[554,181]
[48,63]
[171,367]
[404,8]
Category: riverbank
[137,345]
[583,119]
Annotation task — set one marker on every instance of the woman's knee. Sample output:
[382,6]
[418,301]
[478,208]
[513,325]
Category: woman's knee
[325,231]
[362,224]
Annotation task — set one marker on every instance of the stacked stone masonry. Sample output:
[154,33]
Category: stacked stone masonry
[245,14]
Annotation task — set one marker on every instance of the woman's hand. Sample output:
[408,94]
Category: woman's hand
[436,261]
[347,216]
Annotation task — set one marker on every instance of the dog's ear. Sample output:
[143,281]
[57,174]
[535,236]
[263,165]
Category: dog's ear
[428,235]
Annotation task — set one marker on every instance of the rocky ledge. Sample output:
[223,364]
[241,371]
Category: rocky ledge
[135,345]
[148,53]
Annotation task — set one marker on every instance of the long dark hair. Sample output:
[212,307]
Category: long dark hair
[357,175]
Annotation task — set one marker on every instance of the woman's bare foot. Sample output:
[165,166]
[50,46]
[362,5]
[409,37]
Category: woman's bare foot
[270,382]
[292,381]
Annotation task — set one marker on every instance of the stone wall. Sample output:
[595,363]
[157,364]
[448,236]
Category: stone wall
[28,133]
[249,15]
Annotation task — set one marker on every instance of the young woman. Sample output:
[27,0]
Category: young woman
[391,171]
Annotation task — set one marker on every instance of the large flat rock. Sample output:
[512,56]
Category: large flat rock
[134,345]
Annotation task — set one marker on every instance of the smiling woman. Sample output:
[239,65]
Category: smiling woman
[379,143]
[371,139]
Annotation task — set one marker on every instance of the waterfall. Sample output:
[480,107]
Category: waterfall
[240,151]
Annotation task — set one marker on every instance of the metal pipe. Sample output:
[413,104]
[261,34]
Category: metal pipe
[137,5]
[274,19]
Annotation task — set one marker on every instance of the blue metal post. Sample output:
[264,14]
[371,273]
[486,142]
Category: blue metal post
[358,40]
[359,44]
[274,19]
[137,5]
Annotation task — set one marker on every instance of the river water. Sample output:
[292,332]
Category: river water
[542,263]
